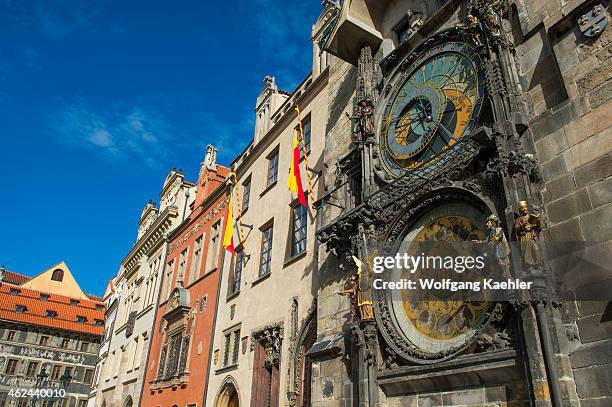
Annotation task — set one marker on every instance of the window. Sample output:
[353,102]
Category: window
[44,340]
[203,302]
[213,246]
[298,238]
[197,259]
[15,291]
[99,307]
[58,275]
[32,368]
[11,367]
[306,130]
[44,297]
[231,347]
[272,168]
[84,346]
[181,267]
[55,372]
[246,194]
[88,376]
[266,251]
[3,399]
[98,322]
[10,336]
[74,303]
[82,403]
[51,314]
[81,319]
[20,309]
[236,277]
[65,343]
[167,281]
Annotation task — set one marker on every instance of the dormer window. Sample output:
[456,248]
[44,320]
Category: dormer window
[74,303]
[81,319]
[58,275]
[99,307]
[44,297]
[98,322]
[15,291]
[20,309]
[51,314]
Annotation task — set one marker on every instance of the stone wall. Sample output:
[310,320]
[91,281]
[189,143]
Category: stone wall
[568,79]
[331,381]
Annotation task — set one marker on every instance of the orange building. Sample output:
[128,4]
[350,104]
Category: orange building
[178,362]
[50,332]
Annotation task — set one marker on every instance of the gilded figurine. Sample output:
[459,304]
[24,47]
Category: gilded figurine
[526,231]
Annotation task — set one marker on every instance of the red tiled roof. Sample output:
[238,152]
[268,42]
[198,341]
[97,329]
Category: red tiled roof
[96,298]
[36,310]
[15,278]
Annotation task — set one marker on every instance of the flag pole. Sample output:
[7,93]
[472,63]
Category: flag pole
[239,207]
[303,143]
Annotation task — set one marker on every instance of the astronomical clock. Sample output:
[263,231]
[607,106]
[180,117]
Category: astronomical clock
[433,102]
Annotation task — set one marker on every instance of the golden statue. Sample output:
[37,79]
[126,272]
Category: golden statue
[526,231]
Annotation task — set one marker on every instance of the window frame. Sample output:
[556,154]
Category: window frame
[235,282]
[294,230]
[10,362]
[231,347]
[246,193]
[272,172]
[196,263]
[267,245]
[306,125]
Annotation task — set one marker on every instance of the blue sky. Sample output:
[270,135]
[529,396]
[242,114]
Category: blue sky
[100,99]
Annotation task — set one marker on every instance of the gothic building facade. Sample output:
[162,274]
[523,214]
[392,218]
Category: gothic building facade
[465,114]
[266,316]
[122,365]
[178,364]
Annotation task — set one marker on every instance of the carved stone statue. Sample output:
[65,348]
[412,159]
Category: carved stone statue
[363,120]
[492,17]
[496,239]
[526,231]
[351,292]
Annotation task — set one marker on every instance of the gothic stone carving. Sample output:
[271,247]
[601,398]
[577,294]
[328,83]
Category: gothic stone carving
[270,337]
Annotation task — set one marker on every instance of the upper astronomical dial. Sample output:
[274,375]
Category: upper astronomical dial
[432,105]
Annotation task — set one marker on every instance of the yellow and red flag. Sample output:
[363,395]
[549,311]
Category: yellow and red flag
[228,236]
[295,179]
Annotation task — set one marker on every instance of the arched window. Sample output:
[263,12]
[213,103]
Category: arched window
[58,275]
[128,402]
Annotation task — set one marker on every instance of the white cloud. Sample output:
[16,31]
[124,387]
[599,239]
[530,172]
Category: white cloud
[119,135]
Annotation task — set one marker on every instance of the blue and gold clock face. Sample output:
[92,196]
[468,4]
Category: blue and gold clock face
[434,103]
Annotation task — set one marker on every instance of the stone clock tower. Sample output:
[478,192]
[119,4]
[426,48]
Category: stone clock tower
[430,137]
